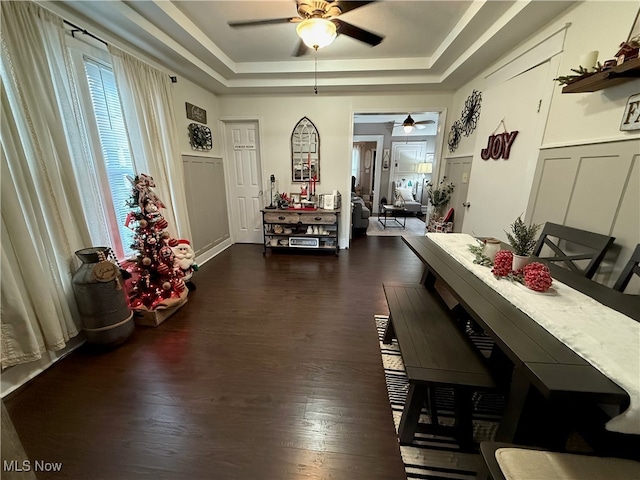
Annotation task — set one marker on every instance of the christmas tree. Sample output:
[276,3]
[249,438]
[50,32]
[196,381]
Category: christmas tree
[157,281]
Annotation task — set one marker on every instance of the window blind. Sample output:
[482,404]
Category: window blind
[114,144]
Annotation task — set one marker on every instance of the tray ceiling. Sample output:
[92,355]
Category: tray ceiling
[428,45]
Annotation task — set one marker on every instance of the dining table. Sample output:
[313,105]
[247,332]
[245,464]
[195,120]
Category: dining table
[577,343]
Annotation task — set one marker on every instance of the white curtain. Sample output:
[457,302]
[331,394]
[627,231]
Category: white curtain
[42,217]
[145,96]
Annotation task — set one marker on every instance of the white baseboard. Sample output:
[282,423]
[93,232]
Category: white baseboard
[16,376]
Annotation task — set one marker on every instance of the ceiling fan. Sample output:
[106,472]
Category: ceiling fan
[320,14]
[409,124]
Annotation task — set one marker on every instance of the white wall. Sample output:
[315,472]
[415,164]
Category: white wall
[572,119]
[333,117]
[591,117]
[184,91]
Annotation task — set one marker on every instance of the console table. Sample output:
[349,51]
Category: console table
[301,229]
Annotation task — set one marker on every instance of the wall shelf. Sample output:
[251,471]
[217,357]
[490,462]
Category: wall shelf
[609,78]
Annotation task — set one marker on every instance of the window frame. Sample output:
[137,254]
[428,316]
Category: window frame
[80,51]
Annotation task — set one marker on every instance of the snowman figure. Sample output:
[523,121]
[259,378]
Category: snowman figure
[185,260]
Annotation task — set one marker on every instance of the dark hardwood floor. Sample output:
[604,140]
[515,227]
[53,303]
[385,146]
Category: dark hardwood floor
[270,371]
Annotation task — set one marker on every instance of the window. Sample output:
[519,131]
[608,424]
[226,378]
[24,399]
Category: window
[105,188]
[115,146]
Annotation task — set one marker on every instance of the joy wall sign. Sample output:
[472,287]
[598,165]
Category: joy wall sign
[499,145]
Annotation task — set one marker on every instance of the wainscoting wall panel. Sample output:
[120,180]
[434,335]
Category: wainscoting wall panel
[554,189]
[206,201]
[592,187]
[597,192]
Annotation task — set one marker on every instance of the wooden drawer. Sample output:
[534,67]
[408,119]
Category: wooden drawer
[318,218]
[281,217]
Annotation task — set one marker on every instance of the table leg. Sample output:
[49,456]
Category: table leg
[389,332]
[516,400]
[464,423]
[428,279]
[411,414]
[383,214]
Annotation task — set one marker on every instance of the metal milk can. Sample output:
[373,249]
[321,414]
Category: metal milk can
[99,291]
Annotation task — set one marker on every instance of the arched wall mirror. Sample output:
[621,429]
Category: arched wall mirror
[305,152]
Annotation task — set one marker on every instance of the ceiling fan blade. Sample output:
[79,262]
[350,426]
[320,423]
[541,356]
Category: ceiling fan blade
[358,33]
[425,122]
[253,23]
[348,6]
[301,49]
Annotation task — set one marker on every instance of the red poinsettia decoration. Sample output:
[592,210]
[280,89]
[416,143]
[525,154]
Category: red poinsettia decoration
[537,277]
[502,263]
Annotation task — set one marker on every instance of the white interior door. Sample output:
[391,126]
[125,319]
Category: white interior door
[245,178]
[458,172]
[404,159]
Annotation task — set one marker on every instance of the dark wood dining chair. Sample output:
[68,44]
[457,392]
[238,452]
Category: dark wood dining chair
[630,269]
[571,245]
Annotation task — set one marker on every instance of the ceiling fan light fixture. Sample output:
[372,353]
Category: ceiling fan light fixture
[316,32]
[408,124]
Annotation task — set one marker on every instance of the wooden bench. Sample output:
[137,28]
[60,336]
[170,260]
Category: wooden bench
[436,353]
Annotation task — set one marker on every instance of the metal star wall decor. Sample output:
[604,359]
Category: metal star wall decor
[454,136]
[200,137]
[470,113]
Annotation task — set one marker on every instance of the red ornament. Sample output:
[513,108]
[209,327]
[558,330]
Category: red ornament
[537,277]
[179,285]
[136,303]
[162,224]
[173,242]
[163,269]
[502,263]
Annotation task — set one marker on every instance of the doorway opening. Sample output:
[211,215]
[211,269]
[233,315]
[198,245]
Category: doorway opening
[375,134]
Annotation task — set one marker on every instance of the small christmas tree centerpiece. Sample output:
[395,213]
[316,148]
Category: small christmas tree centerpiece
[157,280]
[522,239]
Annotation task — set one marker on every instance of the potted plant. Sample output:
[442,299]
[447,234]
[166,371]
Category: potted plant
[522,239]
[439,198]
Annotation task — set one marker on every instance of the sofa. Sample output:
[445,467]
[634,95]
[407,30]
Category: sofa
[359,214]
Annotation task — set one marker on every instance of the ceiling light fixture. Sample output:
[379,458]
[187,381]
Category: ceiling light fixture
[316,32]
[408,124]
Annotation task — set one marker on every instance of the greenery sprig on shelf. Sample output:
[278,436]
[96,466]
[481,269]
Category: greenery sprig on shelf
[580,72]
[522,237]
